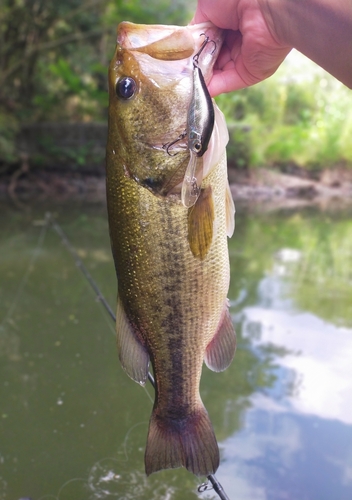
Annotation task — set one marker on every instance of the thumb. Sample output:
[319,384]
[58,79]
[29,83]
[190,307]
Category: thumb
[199,16]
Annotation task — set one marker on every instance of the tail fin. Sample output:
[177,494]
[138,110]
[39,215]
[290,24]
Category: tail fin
[189,442]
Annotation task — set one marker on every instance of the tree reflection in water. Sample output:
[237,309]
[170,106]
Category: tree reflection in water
[281,411]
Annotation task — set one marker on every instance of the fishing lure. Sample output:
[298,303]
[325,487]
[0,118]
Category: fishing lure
[200,124]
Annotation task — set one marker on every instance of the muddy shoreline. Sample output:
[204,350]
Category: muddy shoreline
[271,189]
[267,188]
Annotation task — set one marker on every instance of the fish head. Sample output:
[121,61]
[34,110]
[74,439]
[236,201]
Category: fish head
[150,86]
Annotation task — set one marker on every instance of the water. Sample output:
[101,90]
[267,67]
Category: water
[73,426]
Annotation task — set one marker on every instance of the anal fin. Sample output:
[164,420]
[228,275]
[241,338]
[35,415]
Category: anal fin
[132,353]
[221,349]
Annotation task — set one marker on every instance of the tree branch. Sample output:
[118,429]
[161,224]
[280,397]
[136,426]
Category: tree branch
[47,46]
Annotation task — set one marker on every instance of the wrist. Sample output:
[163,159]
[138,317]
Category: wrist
[320,29]
[273,12]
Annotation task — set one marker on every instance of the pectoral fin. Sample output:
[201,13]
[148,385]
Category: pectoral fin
[201,224]
[221,350]
[133,355]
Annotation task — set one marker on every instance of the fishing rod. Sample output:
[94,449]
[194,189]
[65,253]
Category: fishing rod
[216,486]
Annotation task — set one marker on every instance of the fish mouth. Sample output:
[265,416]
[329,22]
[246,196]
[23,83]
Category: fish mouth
[174,45]
[162,60]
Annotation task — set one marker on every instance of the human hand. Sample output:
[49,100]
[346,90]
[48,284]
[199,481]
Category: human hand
[250,53]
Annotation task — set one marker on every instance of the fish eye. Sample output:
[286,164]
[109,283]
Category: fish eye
[126,87]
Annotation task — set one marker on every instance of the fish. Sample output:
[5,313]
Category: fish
[171,261]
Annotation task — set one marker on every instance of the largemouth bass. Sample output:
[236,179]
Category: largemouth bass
[171,261]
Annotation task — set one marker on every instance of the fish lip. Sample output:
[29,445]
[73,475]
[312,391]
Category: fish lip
[134,37]
[127,32]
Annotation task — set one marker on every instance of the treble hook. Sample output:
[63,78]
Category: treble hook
[168,145]
[206,41]
[204,487]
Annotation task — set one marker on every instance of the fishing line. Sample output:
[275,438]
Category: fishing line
[215,485]
[26,275]
[50,220]
[99,296]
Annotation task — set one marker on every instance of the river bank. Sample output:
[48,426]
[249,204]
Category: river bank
[268,187]
[273,189]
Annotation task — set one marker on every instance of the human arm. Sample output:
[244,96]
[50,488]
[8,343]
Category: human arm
[320,29]
[260,33]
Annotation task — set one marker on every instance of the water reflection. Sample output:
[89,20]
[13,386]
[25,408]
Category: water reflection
[315,347]
[280,455]
[73,426]
[320,352]
[296,438]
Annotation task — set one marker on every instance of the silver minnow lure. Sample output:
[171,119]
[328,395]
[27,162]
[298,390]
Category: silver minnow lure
[200,121]
[200,124]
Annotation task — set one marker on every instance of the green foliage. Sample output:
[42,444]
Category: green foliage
[54,58]
[299,105]
[300,115]
[67,156]
[53,67]
[239,146]
[8,130]
[319,281]
[323,276]
[151,12]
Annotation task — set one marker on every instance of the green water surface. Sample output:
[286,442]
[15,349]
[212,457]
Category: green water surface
[73,426]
